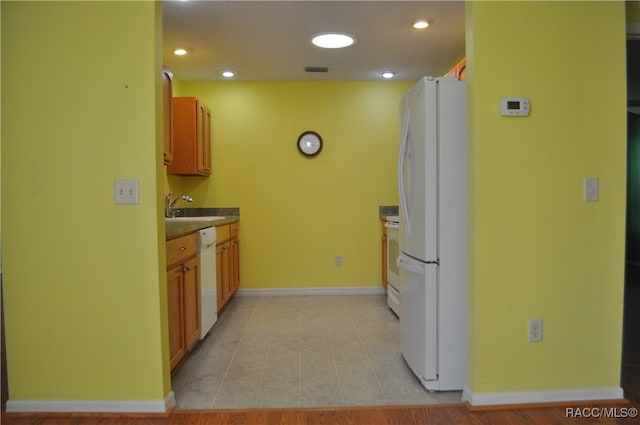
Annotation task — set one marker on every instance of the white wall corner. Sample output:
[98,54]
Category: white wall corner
[169,401]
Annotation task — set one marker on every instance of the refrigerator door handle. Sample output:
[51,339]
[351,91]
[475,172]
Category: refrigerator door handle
[401,160]
[409,267]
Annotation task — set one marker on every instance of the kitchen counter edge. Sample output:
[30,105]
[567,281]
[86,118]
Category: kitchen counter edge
[174,230]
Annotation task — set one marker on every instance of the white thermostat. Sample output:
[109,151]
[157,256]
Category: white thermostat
[514,106]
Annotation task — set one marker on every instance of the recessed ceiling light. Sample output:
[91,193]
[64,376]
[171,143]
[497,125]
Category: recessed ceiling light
[180,52]
[333,40]
[228,74]
[421,24]
[387,74]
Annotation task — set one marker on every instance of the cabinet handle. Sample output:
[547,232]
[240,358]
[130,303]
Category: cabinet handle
[186,269]
[183,248]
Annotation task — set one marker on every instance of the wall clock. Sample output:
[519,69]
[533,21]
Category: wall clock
[310,143]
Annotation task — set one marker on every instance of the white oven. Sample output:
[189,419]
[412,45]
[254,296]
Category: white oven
[393,252]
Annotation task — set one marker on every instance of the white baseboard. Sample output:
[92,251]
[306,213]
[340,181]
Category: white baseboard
[92,406]
[532,397]
[351,290]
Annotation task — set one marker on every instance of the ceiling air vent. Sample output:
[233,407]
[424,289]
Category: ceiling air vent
[316,68]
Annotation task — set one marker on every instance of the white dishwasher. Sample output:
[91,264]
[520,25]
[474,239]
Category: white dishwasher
[208,291]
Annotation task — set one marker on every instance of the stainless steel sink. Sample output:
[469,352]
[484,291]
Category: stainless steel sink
[195,219]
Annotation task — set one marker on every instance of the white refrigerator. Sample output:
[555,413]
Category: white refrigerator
[433,225]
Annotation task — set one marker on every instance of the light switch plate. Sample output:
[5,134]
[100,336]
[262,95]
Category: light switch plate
[125,191]
[591,190]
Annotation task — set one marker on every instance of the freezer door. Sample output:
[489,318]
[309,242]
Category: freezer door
[418,316]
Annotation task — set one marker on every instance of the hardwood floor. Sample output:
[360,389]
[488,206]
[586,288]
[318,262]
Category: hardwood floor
[609,413]
[417,415]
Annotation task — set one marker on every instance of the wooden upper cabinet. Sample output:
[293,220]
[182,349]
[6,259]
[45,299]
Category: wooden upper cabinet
[459,71]
[204,140]
[462,73]
[191,138]
[167,95]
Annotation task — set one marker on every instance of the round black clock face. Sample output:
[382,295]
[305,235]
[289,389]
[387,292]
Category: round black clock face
[310,143]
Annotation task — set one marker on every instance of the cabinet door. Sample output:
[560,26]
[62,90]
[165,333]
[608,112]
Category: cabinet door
[184,136]
[175,282]
[226,272]
[207,140]
[222,274]
[234,264]
[234,257]
[204,140]
[167,118]
[191,138]
[191,301]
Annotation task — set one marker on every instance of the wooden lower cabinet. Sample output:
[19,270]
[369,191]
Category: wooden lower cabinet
[234,264]
[222,274]
[191,301]
[183,296]
[177,348]
[227,262]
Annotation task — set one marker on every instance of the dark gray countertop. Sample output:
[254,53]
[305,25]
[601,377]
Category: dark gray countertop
[385,211]
[175,229]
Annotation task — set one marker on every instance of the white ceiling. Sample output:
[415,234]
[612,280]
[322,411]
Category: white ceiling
[270,40]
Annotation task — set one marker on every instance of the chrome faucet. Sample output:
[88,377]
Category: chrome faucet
[169,204]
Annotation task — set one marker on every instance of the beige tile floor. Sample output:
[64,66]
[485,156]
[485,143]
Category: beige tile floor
[301,351]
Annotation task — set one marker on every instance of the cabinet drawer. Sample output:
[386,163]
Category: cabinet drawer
[222,233]
[233,229]
[181,248]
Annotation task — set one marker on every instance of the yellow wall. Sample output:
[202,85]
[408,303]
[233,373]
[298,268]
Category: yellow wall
[85,305]
[536,249]
[83,278]
[298,213]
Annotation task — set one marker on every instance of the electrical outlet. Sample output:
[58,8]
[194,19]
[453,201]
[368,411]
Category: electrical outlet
[535,330]
[591,189]
[338,260]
